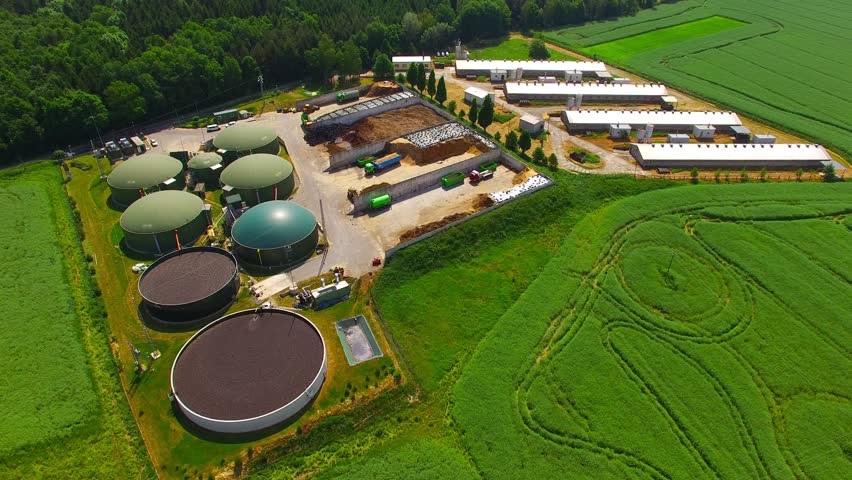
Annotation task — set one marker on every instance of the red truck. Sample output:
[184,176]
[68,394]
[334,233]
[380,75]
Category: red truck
[477,176]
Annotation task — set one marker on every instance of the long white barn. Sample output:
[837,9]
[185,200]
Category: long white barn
[528,68]
[730,156]
[590,92]
[671,121]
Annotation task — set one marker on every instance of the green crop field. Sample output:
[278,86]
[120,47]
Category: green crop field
[513,49]
[685,333]
[785,66]
[624,48]
[61,407]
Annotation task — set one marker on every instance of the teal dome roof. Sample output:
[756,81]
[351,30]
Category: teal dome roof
[273,224]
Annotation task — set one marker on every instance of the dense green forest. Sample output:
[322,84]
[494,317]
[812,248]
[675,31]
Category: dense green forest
[67,66]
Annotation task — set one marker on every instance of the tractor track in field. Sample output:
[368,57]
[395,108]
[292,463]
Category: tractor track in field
[565,325]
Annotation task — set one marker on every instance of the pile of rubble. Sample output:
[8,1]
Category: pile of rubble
[533,183]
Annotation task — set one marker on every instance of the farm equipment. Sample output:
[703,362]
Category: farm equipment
[490,166]
[382,163]
[377,261]
[347,95]
[380,202]
[452,179]
[363,161]
[310,108]
[477,176]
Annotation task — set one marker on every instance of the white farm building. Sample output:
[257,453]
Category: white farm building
[730,156]
[401,63]
[681,121]
[531,124]
[589,92]
[504,70]
[472,94]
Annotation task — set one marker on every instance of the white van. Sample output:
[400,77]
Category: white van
[212,127]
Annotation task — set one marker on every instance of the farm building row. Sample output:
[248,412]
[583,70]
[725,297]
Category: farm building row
[584,92]
[730,156]
[673,121]
[505,70]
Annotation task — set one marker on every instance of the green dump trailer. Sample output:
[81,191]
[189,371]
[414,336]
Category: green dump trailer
[488,166]
[380,202]
[452,179]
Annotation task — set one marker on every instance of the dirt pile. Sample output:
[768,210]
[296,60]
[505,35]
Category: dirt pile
[437,152]
[482,201]
[428,227]
[383,126]
[380,89]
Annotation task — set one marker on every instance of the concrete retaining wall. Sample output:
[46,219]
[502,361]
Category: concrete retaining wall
[346,159]
[421,183]
[511,162]
[329,98]
[354,117]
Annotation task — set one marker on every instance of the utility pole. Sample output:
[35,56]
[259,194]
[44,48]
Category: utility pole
[97,163]
[260,81]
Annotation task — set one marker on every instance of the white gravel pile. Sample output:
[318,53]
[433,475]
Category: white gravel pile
[531,183]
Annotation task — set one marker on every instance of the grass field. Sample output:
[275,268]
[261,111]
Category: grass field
[62,407]
[624,48]
[669,339]
[782,66]
[513,49]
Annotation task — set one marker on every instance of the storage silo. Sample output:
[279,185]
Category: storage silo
[275,234]
[163,221]
[190,284]
[206,167]
[249,371]
[259,178]
[245,139]
[139,175]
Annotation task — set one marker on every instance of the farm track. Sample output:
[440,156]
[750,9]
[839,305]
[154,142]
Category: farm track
[566,325]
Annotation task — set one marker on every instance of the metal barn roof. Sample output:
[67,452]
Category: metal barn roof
[256,171]
[273,224]
[204,160]
[731,152]
[245,136]
[531,119]
[476,92]
[533,65]
[610,89]
[144,171]
[161,212]
[366,105]
[411,58]
[654,117]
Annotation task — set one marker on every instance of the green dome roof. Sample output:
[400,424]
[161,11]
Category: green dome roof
[161,212]
[273,224]
[204,160]
[245,136]
[256,171]
[144,171]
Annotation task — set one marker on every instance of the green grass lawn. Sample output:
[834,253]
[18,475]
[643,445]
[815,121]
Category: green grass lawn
[514,49]
[503,117]
[624,48]
[62,403]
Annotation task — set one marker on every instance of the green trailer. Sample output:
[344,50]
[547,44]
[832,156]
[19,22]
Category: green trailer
[347,95]
[452,179]
[380,202]
[488,166]
[362,162]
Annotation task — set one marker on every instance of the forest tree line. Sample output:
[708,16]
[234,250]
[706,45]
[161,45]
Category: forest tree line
[67,66]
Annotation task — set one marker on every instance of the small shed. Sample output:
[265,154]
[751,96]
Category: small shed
[620,80]
[477,94]
[764,139]
[678,138]
[225,116]
[619,131]
[532,124]
[703,132]
[547,79]
[741,134]
[668,102]
[499,75]
[604,76]
[573,76]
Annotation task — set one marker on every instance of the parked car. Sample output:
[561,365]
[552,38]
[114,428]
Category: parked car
[154,143]
[213,127]
[139,268]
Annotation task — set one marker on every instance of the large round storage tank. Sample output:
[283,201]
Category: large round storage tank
[246,138]
[275,234]
[163,221]
[206,167]
[249,371]
[134,177]
[259,178]
[190,284]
